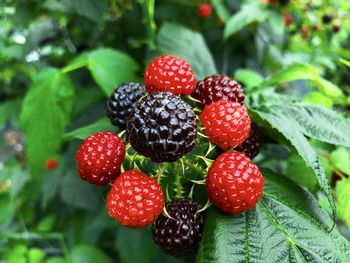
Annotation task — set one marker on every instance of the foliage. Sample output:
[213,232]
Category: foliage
[59,60]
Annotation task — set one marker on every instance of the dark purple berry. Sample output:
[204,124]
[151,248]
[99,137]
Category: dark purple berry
[122,101]
[217,87]
[162,127]
[179,235]
[251,146]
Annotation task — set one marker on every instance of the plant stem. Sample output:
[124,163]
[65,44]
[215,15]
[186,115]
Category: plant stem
[148,8]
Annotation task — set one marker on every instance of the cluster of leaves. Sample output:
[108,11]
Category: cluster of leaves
[61,59]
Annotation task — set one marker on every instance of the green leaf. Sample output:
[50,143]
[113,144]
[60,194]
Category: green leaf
[249,78]
[91,9]
[319,99]
[88,254]
[247,15]
[111,67]
[316,122]
[7,208]
[189,46]
[103,124]
[302,174]
[221,10]
[78,193]
[304,72]
[340,158]
[10,110]
[287,225]
[342,190]
[345,62]
[19,178]
[130,240]
[45,114]
[288,133]
[293,72]
[36,255]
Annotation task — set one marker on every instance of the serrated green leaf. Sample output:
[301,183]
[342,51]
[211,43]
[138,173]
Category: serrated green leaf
[189,46]
[88,254]
[111,67]
[340,158]
[316,122]
[342,190]
[103,124]
[328,88]
[247,15]
[10,110]
[287,225]
[7,208]
[221,10]
[45,114]
[289,133]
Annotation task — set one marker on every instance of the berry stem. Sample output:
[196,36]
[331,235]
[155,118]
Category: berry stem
[178,185]
[148,9]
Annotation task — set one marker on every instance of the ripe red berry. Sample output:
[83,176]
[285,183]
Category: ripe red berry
[99,158]
[169,73]
[234,183]
[135,200]
[51,164]
[218,87]
[226,123]
[287,20]
[205,10]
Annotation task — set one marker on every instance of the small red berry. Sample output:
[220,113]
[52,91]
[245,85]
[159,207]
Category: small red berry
[234,183]
[205,10]
[226,123]
[135,200]
[287,20]
[99,158]
[169,73]
[315,28]
[304,32]
[51,164]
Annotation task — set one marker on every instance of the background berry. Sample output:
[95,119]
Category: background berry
[327,18]
[287,20]
[162,127]
[179,237]
[122,101]
[251,146]
[51,164]
[226,123]
[234,183]
[218,87]
[135,200]
[169,73]
[205,10]
[99,158]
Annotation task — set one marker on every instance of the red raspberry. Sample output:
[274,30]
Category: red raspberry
[169,73]
[287,20]
[99,158]
[135,200]
[218,87]
[251,146]
[205,10]
[51,164]
[226,123]
[234,183]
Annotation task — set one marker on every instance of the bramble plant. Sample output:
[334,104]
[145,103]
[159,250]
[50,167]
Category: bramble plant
[174,131]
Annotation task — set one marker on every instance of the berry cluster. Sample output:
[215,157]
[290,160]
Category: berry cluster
[161,126]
